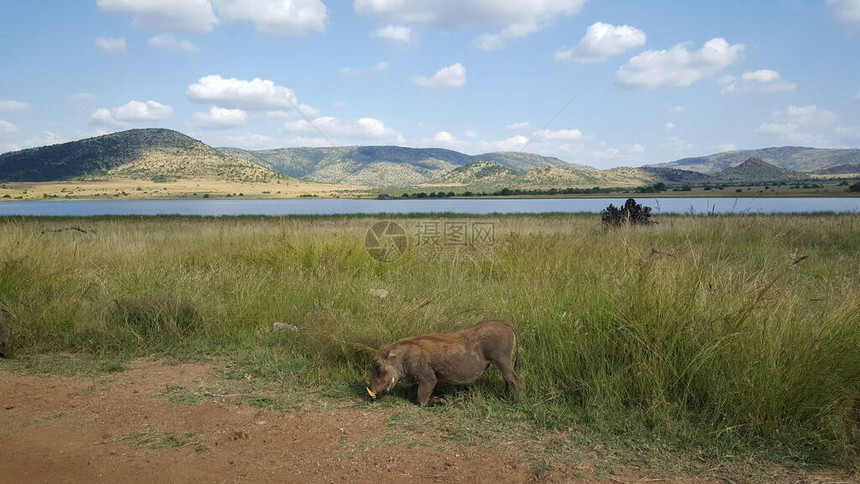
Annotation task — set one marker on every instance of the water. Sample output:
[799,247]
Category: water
[465,206]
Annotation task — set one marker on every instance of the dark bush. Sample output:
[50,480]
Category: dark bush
[854,188]
[631,213]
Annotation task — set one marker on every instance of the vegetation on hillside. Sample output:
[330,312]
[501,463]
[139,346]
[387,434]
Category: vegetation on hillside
[788,157]
[385,165]
[147,154]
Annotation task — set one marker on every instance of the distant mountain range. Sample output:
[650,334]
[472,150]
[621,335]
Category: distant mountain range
[795,158]
[385,165]
[162,154]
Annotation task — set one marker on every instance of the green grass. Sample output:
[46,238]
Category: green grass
[725,336]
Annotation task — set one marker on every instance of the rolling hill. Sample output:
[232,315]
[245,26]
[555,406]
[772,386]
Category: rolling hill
[755,170]
[788,157]
[166,155]
[385,165]
[488,175]
[146,154]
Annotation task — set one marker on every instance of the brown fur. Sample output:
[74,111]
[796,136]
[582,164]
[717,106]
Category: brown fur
[459,358]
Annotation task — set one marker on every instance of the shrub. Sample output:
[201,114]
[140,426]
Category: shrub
[630,213]
[854,188]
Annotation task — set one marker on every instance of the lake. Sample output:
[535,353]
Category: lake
[84,208]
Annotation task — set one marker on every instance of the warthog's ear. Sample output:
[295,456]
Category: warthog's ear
[392,353]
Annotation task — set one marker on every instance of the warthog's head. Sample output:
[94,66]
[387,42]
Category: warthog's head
[383,378]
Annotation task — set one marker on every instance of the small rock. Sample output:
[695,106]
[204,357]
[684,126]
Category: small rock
[378,293]
[278,327]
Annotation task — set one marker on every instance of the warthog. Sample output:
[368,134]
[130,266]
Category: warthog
[460,358]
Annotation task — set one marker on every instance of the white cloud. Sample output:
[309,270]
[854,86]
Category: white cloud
[845,10]
[725,147]
[173,15]
[110,44]
[354,71]
[851,133]
[460,13]
[304,109]
[82,98]
[219,118]
[134,111]
[254,95]
[362,130]
[44,138]
[764,80]
[669,126]
[277,17]
[7,128]
[397,33]
[675,144]
[603,41]
[14,107]
[560,134]
[171,42]
[514,143]
[139,111]
[676,109]
[518,18]
[779,129]
[803,115]
[804,125]
[103,117]
[471,134]
[519,126]
[339,104]
[791,133]
[450,77]
[511,32]
[444,138]
[677,67]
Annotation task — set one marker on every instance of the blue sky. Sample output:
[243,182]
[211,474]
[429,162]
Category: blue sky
[650,81]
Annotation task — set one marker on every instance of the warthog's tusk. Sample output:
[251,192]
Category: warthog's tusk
[372,395]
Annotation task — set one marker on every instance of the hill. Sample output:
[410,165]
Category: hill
[479,172]
[849,169]
[523,162]
[385,165]
[145,154]
[487,175]
[756,170]
[788,157]
[677,176]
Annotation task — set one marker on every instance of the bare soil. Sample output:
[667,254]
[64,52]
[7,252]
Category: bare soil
[121,428]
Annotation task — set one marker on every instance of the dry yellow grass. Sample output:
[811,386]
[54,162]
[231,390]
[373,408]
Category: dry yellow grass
[129,189]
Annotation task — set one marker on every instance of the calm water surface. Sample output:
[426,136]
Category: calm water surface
[465,206]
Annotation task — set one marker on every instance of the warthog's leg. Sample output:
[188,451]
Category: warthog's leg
[425,388]
[512,381]
[412,395]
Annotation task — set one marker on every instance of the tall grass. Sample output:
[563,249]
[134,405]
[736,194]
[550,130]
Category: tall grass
[740,329]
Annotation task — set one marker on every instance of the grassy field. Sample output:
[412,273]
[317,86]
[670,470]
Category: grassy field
[713,336]
[129,189]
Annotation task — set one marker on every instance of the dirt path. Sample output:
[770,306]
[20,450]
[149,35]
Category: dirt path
[116,428]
